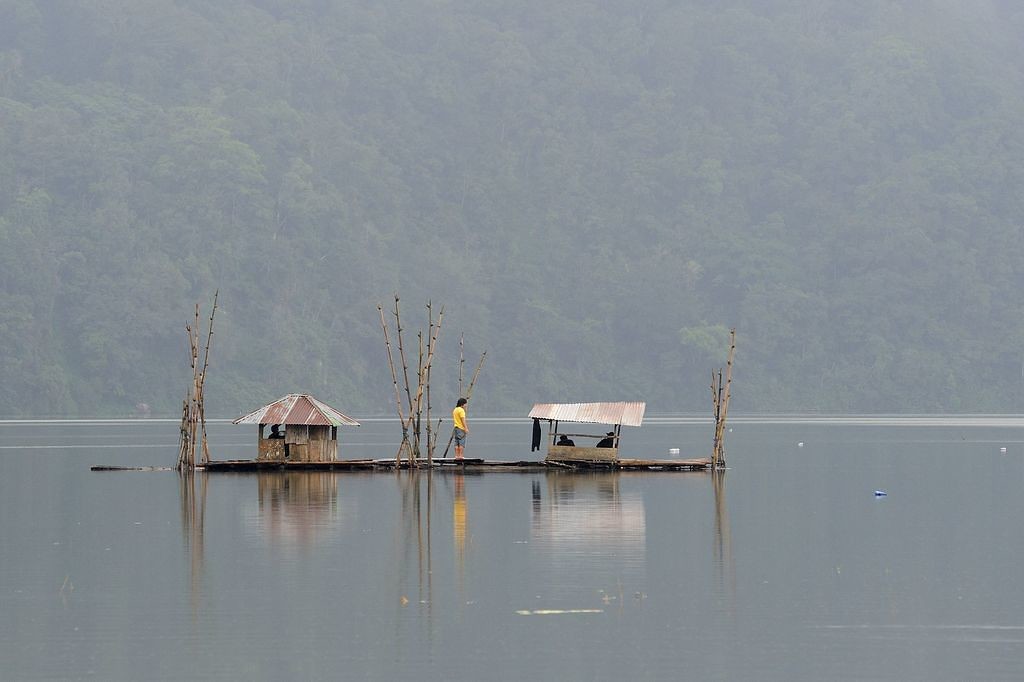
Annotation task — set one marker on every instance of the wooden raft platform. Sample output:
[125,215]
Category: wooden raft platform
[468,464]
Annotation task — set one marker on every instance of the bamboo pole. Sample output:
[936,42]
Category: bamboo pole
[462,359]
[401,353]
[469,394]
[391,363]
[419,401]
[476,373]
[193,416]
[720,394]
[186,458]
[430,351]
[728,394]
[394,380]
[422,385]
[406,424]
[202,378]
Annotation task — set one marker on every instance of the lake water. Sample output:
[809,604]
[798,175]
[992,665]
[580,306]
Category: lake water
[787,567]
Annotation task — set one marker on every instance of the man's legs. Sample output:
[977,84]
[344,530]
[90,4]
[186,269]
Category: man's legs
[460,440]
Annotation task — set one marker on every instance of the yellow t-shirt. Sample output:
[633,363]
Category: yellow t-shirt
[459,418]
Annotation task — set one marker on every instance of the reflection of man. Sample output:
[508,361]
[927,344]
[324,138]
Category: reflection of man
[461,428]
[459,521]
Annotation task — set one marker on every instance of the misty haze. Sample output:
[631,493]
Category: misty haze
[596,194]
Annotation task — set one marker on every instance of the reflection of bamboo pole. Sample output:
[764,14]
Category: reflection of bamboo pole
[723,539]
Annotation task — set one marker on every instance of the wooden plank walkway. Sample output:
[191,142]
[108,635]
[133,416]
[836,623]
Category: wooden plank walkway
[469,464]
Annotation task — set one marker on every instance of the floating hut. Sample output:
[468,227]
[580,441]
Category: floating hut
[310,429]
[601,447]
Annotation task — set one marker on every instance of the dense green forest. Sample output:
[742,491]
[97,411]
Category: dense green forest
[596,191]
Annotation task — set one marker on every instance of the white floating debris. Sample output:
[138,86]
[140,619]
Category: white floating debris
[673,451]
[800,444]
[881,493]
[555,612]
[1002,449]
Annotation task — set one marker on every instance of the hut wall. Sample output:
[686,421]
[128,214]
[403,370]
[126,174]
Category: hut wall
[572,452]
[271,450]
[301,444]
[322,448]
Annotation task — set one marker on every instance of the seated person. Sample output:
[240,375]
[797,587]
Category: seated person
[275,431]
[563,440]
[608,441]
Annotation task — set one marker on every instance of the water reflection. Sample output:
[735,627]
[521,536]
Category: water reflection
[583,509]
[459,517]
[296,507]
[586,528]
[724,565]
[416,492]
[418,499]
[193,513]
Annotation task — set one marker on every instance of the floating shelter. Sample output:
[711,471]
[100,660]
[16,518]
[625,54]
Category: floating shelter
[310,429]
[602,447]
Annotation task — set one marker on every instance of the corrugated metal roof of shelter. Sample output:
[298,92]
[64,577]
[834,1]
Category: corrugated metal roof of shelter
[297,409]
[627,414]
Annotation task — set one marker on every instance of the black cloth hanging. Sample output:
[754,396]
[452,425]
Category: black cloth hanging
[535,444]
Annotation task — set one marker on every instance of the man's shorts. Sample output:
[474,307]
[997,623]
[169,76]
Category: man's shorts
[460,436]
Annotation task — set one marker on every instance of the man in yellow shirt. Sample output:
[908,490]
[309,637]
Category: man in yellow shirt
[461,429]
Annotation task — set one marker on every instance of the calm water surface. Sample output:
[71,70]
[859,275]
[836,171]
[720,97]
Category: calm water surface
[786,568]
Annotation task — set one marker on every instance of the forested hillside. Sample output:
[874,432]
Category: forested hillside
[596,191]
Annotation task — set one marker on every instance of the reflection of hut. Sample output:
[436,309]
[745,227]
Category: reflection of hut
[310,429]
[586,517]
[296,506]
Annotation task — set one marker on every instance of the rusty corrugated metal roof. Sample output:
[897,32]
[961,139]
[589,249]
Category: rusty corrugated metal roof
[297,409]
[627,414]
